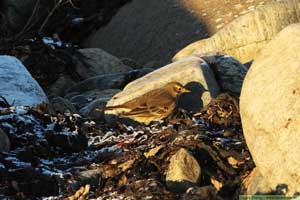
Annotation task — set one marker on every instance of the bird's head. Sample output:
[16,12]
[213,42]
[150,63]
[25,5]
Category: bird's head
[176,89]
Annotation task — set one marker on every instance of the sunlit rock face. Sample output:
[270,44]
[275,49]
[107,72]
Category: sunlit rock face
[153,31]
[184,171]
[244,37]
[217,13]
[270,111]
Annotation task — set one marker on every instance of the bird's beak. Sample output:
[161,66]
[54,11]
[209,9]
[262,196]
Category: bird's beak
[184,90]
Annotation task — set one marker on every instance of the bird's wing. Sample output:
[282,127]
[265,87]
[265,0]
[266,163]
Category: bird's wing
[159,103]
[137,111]
[141,101]
[163,105]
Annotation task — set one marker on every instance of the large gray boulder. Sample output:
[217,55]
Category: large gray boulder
[270,113]
[244,37]
[17,85]
[192,72]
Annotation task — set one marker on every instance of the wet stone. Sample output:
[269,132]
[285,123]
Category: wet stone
[67,141]
[62,105]
[4,141]
[79,101]
[92,177]
[34,183]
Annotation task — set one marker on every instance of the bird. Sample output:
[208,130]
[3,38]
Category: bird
[154,105]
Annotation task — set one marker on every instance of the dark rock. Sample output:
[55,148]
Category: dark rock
[96,61]
[92,177]
[137,73]
[79,101]
[67,141]
[90,110]
[229,72]
[101,82]
[71,94]
[4,141]
[62,105]
[3,171]
[59,87]
[96,94]
[108,81]
[201,193]
[33,183]
[152,64]
[100,98]
[131,63]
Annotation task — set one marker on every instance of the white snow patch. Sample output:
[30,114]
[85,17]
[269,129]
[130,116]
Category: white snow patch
[90,123]
[18,163]
[2,166]
[51,42]
[52,198]
[46,162]
[77,20]
[59,174]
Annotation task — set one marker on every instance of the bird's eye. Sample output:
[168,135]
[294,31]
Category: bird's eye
[179,89]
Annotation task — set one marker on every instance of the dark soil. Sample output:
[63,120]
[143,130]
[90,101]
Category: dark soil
[57,155]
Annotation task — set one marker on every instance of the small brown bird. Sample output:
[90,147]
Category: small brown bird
[153,105]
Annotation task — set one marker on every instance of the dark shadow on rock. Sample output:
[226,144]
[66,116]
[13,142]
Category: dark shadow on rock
[149,30]
[179,186]
[281,189]
[248,64]
[208,166]
[192,101]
